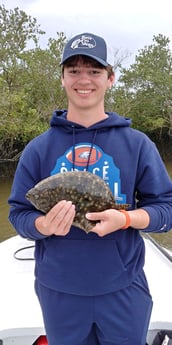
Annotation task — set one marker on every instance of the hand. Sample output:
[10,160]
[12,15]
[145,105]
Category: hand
[107,221]
[58,220]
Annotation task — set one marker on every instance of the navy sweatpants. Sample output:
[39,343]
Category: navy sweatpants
[119,318]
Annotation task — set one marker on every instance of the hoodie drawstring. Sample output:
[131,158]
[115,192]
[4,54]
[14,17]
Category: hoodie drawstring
[90,152]
[73,148]
[91,148]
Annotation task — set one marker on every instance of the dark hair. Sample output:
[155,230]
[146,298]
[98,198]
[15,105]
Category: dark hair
[86,60]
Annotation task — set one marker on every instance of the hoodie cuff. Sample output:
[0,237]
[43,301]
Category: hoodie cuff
[155,224]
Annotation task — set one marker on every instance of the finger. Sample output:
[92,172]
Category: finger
[55,217]
[95,216]
[98,228]
[63,212]
[57,210]
[64,226]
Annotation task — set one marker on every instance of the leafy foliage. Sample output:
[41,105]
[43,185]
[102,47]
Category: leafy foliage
[29,80]
[30,84]
[149,87]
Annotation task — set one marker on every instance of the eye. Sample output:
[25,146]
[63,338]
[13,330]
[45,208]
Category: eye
[95,72]
[73,71]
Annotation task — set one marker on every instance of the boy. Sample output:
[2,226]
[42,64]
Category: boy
[91,287]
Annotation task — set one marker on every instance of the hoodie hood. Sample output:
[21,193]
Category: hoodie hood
[59,118]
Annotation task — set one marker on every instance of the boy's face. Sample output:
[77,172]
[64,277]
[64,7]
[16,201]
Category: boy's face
[85,84]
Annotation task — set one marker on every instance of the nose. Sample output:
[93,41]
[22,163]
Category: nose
[84,78]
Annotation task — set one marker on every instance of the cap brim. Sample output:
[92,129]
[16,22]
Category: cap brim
[102,62]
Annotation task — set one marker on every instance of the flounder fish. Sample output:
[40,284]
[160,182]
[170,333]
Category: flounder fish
[87,191]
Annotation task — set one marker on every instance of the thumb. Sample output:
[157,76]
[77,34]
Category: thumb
[95,216]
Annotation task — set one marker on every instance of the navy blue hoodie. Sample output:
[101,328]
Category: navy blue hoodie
[80,263]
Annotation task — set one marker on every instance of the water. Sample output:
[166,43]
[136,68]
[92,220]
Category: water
[7,231]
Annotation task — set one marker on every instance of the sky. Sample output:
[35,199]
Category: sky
[128,25]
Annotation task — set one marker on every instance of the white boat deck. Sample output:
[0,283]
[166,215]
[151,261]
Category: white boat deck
[158,270]
[20,314]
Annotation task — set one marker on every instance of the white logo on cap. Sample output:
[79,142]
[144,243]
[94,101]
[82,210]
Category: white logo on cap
[83,42]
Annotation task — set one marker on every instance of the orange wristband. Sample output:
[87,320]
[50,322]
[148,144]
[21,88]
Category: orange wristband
[128,219]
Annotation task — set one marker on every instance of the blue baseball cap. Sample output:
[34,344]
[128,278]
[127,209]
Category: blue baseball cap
[89,45]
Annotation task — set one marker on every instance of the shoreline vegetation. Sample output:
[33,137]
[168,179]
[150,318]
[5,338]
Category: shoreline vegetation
[30,86]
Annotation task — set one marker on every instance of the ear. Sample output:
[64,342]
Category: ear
[111,80]
[62,81]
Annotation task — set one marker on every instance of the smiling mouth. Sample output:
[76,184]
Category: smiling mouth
[84,92]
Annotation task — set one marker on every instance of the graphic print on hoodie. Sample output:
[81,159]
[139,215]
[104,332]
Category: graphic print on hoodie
[100,164]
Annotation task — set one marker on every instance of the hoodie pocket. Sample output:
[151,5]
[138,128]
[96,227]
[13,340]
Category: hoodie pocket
[84,266]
